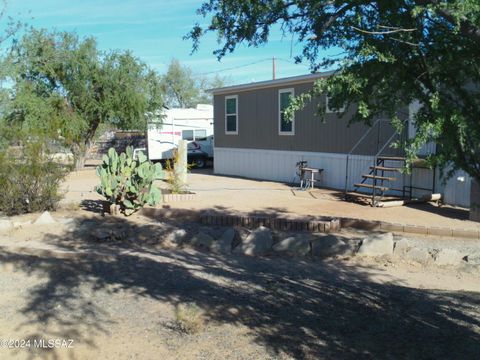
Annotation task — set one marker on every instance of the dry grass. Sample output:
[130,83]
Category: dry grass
[70,206]
[189,318]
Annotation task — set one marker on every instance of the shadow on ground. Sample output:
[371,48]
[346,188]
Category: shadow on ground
[306,309]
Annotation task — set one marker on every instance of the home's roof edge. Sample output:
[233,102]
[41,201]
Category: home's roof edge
[271,83]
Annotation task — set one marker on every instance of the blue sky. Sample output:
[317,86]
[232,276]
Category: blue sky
[153,31]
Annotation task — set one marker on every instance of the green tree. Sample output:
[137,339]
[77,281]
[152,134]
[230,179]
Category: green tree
[391,53]
[184,89]
[66,87]
[179,86]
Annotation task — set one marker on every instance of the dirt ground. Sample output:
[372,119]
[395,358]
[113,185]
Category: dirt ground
[235,195]
[112,284]
[116,298]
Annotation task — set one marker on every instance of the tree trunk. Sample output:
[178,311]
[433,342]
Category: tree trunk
[80,154]
[475,201]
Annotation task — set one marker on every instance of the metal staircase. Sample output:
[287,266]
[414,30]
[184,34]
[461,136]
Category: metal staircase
[376,183]
[384,181]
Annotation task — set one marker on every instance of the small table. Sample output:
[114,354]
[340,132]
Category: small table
[309,182]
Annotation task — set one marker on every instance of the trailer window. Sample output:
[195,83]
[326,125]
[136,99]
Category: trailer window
[200,135]
[330,109]
[187,135]
[231,114]
[285,126]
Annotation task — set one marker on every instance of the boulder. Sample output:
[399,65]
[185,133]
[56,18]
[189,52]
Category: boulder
[473,258]
[70,224]
[449,257]
[330,245]
[102,234]
[45,219]
[298,245]
[377,245]
[258,243]
[224,244]
[5,225]
[176,237]
[202,241]
[406,249]
[418,255]
[402,246]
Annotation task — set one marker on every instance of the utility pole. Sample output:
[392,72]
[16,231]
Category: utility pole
[273,68]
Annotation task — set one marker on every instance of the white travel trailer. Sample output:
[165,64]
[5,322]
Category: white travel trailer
[193,125]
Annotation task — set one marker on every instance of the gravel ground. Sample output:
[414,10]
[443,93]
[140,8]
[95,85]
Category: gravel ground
[116,298]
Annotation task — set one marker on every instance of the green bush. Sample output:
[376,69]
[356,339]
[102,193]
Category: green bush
[29,178]
[128,182]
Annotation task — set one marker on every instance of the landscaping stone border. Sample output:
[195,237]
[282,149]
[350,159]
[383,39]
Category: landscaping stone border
[284,224]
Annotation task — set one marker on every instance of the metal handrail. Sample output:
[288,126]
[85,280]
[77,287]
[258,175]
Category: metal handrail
[375,162]
[386,143]
[355,146]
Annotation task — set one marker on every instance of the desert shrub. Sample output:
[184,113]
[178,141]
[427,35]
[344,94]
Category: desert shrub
[29,178]
[189,318]
[128,182]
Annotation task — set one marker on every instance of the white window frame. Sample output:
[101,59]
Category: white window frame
[236,114]
[280,132]
[330,111]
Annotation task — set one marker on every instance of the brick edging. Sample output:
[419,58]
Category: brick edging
[167,198]
[410,229]
[326,226]
[317,225]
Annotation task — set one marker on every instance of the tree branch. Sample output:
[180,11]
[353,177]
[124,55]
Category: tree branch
[387,32]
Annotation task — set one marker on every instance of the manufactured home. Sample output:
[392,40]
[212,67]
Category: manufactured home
[254,140]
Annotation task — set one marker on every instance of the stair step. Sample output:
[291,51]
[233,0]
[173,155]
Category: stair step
[359,194]
[359,197]
[368,186]
[368,176]
[391,158]
[384,168]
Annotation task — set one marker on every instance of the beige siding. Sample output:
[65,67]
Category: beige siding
[258,126]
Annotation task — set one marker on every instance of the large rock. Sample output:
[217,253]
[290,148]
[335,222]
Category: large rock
[330,245]
[402,246]
[418,255]
[473,258]
[224,244]
[407,250]
[176,237]
[45,219]
[298,245]
[258,243]
[69,224]
[377,245]
[202,241]
[108,235]
[450,257]
[5,225]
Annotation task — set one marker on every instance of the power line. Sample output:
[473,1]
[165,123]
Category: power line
[292,62]
[236,67]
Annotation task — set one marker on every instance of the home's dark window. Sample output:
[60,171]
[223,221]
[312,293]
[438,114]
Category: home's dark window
[330,109]
[286,126]
[231,114]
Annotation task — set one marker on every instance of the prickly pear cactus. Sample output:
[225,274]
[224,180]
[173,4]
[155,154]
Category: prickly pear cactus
[128,182]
